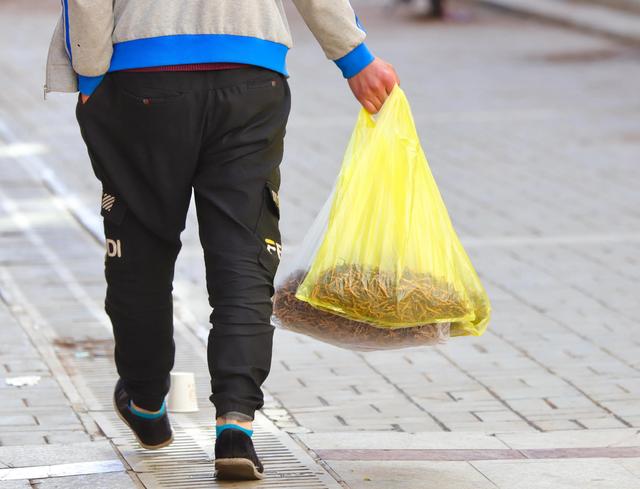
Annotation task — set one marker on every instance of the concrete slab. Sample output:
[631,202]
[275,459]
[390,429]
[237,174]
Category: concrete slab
[117,480]
[410,475]
[384,440]
[29,456]
[558,474]
[61,470]
[572,439]
[15,485]
[631,464]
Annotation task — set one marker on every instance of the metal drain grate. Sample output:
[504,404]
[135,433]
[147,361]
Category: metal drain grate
[188,462]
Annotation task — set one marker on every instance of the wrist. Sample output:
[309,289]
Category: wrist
[355,61]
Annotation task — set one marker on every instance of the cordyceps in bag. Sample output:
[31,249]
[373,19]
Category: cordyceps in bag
[382,266]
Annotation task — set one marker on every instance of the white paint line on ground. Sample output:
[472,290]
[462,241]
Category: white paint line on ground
[61,470]
[17,150]
[28,380]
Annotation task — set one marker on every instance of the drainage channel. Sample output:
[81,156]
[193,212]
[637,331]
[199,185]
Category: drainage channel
[188,462]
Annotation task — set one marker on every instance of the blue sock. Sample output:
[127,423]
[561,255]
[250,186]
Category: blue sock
[230,426]
[157,415]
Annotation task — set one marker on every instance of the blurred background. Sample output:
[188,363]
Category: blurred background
[529,114]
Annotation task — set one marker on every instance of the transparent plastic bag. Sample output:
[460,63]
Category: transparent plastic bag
[382,266]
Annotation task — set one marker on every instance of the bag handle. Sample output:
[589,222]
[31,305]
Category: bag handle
[394,114]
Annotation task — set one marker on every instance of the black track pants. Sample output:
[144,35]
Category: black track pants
[152,139]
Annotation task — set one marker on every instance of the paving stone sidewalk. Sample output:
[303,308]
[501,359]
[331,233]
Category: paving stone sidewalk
[619,20]
[532,134]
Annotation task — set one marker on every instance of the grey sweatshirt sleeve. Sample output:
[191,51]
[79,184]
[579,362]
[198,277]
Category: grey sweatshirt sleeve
[88,31]
[60,76]
[336,27]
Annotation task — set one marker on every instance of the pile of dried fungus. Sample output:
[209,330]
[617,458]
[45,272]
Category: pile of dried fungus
[372,296]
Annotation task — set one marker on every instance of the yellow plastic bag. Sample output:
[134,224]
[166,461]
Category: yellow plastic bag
[384,254]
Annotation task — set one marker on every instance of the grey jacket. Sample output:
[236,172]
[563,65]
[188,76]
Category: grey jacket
[94,37]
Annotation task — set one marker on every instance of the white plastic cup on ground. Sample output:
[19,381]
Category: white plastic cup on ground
[182,394]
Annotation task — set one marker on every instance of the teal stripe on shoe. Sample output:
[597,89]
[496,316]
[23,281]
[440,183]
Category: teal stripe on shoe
[140,414]
[230,426]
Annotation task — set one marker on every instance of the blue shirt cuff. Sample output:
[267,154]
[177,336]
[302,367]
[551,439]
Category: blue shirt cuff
[88,84]
[355,61]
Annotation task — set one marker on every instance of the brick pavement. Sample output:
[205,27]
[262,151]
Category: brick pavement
[36,414]
[532,134]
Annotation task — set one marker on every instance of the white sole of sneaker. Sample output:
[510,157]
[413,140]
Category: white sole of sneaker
[238,469]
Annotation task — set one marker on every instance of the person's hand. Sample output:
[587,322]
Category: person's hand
[84,98]
[373,85]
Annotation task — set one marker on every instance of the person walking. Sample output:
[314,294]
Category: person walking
[182,97]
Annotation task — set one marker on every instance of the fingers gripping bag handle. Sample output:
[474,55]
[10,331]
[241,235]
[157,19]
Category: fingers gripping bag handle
[383,267]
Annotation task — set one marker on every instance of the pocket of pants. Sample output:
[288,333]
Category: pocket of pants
[153,96]
[265,81]
[147,95]
[92,98]
[270,82]
[89,101]
[268,230]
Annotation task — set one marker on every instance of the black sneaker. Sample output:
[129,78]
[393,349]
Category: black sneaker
[152,434]
[236,459]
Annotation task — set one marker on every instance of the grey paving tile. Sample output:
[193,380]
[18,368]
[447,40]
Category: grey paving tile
[67,437]
[117,480]
[15,485]
[15,420]
[21,438]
